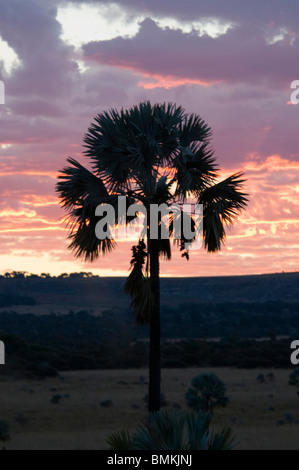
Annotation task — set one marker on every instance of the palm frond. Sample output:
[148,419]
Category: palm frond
[228,195]
[165,248]
[162,430]
[123,145]
[213,229]
[171,429]
[198,430]
[162,194]
[222,203]
[80,193]
[76,184]
[196,169]
[110,147]
[120,441]
[193,129]
[85,244]
[168,117]
[130,143]
[223,440]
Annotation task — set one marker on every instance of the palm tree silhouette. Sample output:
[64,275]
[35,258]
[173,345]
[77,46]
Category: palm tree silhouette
[148,154]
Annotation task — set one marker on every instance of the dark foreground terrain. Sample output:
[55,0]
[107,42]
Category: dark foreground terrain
[94,404]
[76,363]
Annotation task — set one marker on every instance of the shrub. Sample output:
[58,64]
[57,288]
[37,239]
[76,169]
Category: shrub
[56,399]
[207,392]
[261,378]
[106,403]
[294,378]
[4,431]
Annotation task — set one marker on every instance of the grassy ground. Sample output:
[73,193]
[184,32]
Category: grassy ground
[262,416]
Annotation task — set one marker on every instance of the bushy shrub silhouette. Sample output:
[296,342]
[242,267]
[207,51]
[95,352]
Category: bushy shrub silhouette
[206,392]
[261,378]
[4,431]
[294,377]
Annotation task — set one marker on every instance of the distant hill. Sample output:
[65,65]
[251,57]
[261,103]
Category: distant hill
[247,306]
[83,321]
[80,290]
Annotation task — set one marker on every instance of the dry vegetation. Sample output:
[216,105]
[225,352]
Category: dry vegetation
[262,415]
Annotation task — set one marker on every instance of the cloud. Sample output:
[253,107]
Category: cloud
[31,29]
[285,12]
[9,60]
[83,22]
[231,57]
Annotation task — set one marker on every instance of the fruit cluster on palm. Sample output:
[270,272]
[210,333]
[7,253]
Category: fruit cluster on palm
[148,154]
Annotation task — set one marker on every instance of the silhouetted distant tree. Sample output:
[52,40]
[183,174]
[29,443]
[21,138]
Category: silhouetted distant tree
[206,392]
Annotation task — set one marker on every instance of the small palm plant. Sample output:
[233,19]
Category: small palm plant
[207,392]
[173,430]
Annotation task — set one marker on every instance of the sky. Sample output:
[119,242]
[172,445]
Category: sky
[233,63]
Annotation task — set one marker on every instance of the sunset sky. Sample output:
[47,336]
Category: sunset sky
[230,61]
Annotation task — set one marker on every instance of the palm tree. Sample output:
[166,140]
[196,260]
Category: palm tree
[206,392]
[171,429]
[148,154]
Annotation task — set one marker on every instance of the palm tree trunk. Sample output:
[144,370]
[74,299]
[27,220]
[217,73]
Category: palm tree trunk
[155,332]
